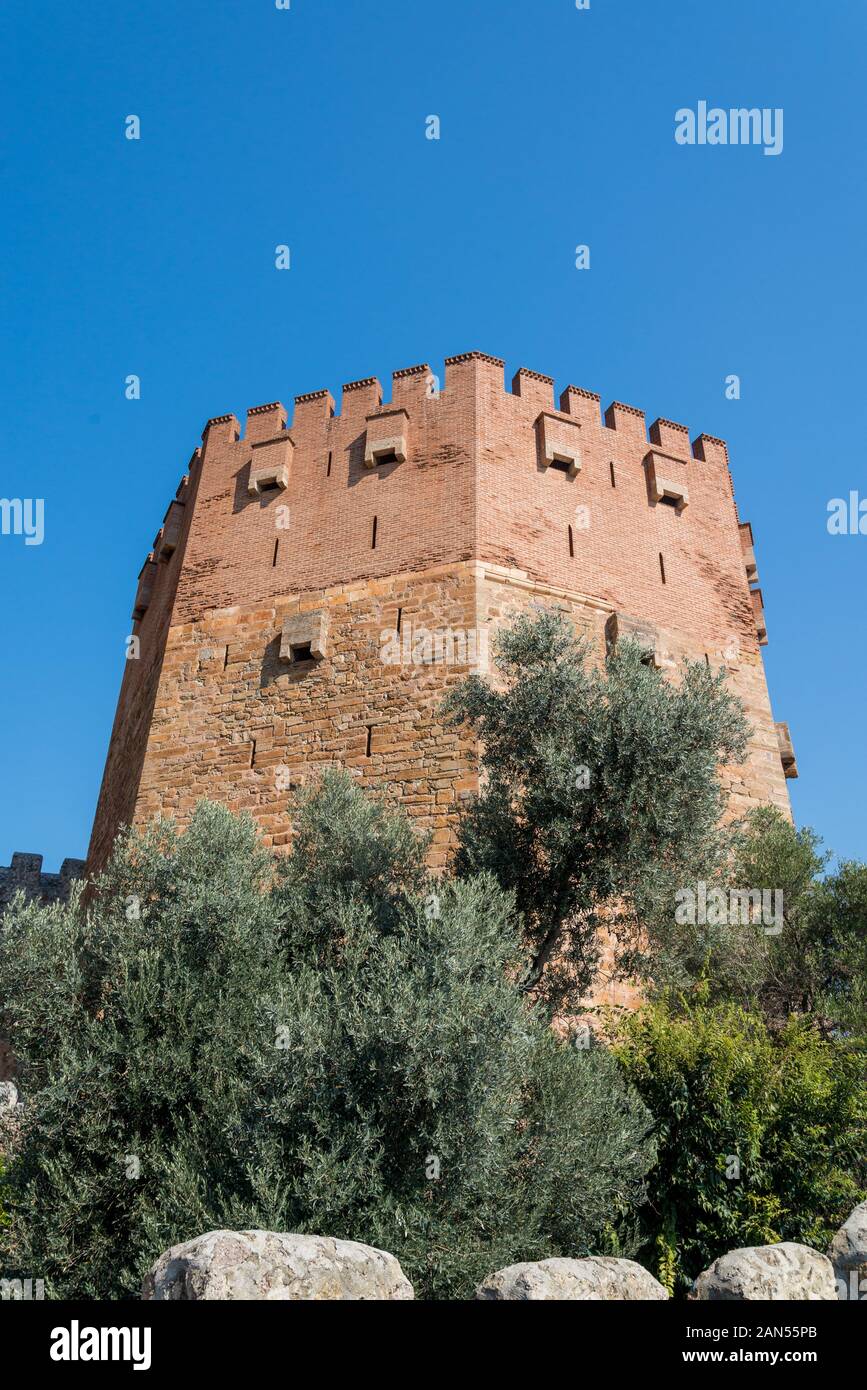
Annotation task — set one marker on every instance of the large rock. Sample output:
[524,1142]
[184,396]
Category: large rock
[771,1272]
[848,1255]
[597,1278]
[268,1265]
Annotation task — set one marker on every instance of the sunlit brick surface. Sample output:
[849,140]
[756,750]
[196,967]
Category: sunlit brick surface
[472,526]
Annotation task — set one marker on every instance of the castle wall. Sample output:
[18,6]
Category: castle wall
[141,677]
[492,500]
[322,522]
[234,722]
[24,875]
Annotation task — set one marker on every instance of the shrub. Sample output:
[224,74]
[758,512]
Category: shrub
[817,964]
[762,1136]
[331,1043]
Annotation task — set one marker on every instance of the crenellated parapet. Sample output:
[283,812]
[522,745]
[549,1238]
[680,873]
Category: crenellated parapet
[304,454]
[365,396]
[364,399]
[24,875]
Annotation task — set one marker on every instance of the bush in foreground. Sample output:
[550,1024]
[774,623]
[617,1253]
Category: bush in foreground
[762,1133]
[332,1043]
[816,965]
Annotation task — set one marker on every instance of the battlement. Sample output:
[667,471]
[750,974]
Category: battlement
[574,400]
[25,875]
[424,427]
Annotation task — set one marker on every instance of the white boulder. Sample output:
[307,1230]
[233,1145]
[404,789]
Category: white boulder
[268,1265]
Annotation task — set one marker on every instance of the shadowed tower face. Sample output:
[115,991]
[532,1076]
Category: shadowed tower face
[316,588]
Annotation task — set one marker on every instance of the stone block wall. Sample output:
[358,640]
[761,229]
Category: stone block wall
[25,875]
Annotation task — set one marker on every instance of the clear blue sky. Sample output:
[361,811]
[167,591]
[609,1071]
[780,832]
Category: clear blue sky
[307,127]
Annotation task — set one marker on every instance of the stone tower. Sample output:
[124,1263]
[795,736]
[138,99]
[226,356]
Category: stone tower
[316,587]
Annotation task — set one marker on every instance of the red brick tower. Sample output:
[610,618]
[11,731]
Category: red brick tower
[315,589]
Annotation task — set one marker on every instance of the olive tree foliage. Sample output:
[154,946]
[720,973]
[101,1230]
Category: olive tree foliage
[842,1000]
[329,1042]
[599,798]
[815,964]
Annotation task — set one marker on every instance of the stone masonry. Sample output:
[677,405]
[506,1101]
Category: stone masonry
[316,588]
[25,875]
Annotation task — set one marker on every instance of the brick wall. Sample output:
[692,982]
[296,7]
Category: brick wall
[474,523]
